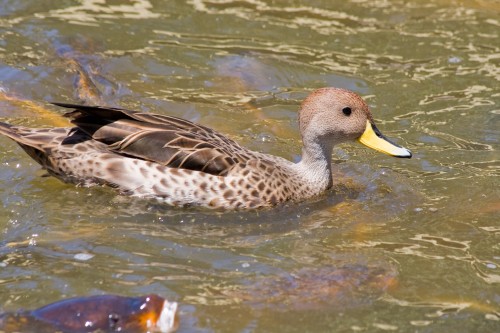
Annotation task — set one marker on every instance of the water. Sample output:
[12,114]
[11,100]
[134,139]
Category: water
[398,245]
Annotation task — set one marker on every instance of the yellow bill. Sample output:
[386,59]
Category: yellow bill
[374,139]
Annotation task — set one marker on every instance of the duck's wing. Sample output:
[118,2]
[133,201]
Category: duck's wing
[167,140]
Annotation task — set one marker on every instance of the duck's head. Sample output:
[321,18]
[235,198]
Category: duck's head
[329,116]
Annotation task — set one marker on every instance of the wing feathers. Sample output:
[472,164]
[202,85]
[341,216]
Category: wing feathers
[167,140]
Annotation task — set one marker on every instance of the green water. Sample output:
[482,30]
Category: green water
[399,245]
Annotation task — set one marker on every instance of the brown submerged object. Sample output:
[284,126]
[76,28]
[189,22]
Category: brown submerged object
[103,313]
[315,288]
[182,163]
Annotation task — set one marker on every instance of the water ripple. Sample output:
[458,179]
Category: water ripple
[96,12]
[323,21]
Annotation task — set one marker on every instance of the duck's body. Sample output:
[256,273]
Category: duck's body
[183,163]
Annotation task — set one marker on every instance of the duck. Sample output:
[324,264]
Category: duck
[182,163]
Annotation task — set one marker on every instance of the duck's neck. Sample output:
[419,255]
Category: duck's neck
[316,163]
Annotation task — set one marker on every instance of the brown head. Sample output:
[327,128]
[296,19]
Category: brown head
[329,116]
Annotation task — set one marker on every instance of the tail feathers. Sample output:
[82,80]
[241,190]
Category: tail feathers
[20,135]
[27,142]
[7,130]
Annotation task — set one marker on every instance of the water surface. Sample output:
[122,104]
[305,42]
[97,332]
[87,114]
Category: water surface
[397,245]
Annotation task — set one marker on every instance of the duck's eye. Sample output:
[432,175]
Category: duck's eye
[347,111]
